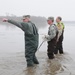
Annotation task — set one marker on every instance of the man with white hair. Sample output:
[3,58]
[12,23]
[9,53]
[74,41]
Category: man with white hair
[51,37]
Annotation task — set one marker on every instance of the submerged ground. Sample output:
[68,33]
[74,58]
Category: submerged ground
[15,64]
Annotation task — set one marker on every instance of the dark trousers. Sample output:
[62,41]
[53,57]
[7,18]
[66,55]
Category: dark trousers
[31,45]
[59,46]
[30,55]
[51,48]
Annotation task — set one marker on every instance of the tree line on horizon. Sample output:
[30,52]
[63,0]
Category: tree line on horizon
[38,20]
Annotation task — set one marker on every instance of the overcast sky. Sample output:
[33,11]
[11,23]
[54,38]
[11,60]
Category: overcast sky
[64,8]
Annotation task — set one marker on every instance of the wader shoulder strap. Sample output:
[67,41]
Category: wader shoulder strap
[56,27]
[35,30]
[56,30]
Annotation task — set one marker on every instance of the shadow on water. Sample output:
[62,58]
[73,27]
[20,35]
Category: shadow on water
[50,67]
[46,67]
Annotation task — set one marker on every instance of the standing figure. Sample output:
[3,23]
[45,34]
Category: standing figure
[31,38]
[51,37]
[60,26]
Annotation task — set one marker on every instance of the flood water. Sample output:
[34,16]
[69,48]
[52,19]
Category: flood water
[12,39]
[12,60]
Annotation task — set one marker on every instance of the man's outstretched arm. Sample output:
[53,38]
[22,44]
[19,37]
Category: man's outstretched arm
[13,22]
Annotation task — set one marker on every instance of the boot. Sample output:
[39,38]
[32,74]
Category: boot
[50,56]
[30,64]
[35,60]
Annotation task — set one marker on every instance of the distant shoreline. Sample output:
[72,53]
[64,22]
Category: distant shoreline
[38,20]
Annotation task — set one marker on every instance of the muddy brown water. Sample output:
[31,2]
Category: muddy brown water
[15,64]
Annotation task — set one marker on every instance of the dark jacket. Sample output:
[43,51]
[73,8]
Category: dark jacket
[31,34]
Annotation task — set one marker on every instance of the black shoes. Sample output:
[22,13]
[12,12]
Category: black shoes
[61,53]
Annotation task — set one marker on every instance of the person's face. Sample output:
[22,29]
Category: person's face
[26,20]
[49,22]
[57,20]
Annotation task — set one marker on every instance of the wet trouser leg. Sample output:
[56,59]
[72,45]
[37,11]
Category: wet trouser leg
[31,45]
[59,46]
[31,57]
[51,47]
[34,57]
[29,54]
[35,60]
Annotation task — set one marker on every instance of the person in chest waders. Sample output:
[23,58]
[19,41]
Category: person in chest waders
[31,38]
[51,37]
[60,27]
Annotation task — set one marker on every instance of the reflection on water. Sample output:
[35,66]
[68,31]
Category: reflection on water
[54,66]
[15,65]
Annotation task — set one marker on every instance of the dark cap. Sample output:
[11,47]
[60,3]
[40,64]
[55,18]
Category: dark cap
[26,16]
[59,18]
[51,18]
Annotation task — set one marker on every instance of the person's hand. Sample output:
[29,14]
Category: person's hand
[45,38]
[5,20]
[57,40]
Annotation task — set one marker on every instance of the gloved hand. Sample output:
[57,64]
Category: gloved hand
[57,40]
[5,20]
[45,37]
[59,34]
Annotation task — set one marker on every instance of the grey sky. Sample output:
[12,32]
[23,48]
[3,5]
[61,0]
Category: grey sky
[64,8]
